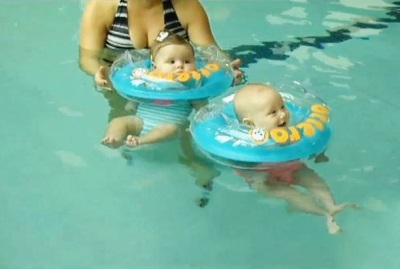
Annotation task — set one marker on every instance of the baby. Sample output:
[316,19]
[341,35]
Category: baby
[261,106]
[154,122]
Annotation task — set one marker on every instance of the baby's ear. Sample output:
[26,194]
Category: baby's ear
[248,121]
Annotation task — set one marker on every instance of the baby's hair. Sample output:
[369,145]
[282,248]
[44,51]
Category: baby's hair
[239,99]
[165,38]
[247,96]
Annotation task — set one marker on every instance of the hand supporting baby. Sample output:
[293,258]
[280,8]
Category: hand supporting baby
[102,80]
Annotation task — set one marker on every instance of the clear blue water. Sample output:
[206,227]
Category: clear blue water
[68,202]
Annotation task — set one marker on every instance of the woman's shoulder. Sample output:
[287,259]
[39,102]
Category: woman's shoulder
[101,11]
[102,7]
[187,5]
[188,10]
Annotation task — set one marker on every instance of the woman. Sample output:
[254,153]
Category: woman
[134,24]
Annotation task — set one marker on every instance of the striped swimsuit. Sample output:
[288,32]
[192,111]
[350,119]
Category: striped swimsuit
[154,115]
[118,38]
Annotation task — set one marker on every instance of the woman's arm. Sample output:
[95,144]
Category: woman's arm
[96,20]
[192,14]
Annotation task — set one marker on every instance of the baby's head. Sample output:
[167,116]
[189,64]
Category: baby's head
[261,106]
[171,53]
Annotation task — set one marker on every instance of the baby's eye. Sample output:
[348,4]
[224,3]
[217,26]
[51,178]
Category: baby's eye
[171,61]
[188,62]
[283,107]
[273,112]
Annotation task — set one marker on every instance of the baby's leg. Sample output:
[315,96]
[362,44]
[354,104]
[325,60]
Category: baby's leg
[296,199]
[119,128]
[131,106]
[299,201]
[157,134]
[199,167]
[318,188]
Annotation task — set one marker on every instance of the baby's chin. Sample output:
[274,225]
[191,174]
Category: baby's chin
[165,71]
[182,71]
[282,125]
[267,126]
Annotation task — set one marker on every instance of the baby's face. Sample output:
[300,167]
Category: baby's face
[175,59]
[271,112]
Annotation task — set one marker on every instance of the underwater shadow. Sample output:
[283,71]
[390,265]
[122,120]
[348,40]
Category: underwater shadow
[276,50]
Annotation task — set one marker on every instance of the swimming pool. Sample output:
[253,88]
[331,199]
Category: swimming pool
[66,201]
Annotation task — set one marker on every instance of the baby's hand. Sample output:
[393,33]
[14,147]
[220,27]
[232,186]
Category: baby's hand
[101,79]
[237,72]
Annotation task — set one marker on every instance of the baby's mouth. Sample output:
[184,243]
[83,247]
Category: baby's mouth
[283,124]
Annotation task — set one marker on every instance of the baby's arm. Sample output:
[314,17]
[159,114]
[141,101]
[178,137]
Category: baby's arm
[157,134]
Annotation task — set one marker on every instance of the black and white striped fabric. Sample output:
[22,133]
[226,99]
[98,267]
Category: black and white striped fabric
[155,115]
[118,36]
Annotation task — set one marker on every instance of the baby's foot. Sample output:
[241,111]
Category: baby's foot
[337,208]
[132,141]
[202,202]
[115,133]
[332,225]
[111,142]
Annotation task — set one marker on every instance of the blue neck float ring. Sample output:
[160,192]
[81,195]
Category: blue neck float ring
[218,134]
[132,77]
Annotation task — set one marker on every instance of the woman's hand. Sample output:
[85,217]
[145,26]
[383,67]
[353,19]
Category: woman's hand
[239,76]
[101,79]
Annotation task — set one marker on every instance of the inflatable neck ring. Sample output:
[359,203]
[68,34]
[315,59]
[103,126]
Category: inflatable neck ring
[218,134]
[132,77]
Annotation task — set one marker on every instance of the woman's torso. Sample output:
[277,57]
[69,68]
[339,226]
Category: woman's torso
[119,34]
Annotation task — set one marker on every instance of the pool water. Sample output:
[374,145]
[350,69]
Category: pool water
[66,201]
